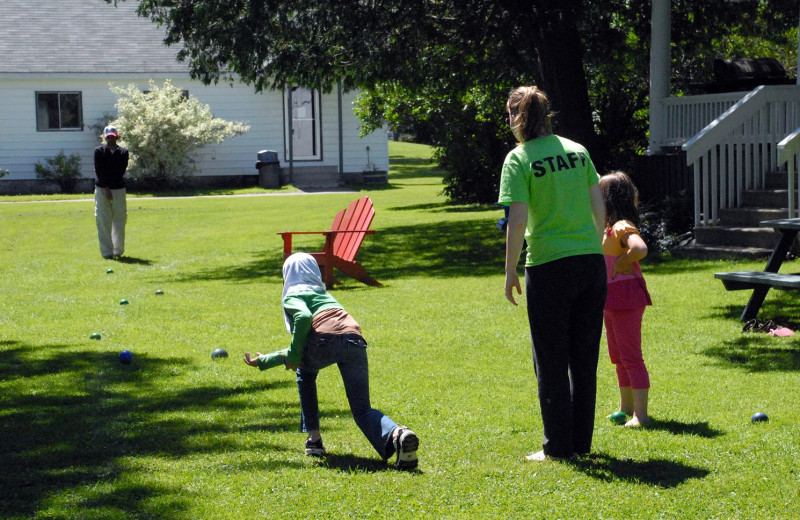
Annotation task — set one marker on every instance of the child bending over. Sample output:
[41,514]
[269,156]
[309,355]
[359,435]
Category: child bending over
[324,334]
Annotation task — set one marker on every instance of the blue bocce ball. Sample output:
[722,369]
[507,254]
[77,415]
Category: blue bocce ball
[126,357]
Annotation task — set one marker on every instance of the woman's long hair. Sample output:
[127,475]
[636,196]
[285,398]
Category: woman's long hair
[621,198]
[530,115]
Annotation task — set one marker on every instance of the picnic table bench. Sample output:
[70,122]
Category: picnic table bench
[761,281]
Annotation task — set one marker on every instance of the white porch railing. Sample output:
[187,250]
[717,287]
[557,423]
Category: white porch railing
[734,152]
[789,154]
[686,116]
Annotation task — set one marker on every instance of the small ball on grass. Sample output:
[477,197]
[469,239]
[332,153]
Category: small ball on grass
[759,417]
[94,335]
[126,357]
[159,292]
[123,302]
[109,271]
[618,418]
[218,353]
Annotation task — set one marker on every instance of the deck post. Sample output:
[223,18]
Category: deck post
[660,22]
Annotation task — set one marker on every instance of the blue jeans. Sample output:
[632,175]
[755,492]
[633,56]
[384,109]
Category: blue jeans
[349,352]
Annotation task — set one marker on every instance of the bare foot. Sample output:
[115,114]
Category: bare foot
[637,422]
[540,456]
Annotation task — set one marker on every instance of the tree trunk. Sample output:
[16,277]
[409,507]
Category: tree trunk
[561,58]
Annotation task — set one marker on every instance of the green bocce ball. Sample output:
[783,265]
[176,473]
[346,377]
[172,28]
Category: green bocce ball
[618,418]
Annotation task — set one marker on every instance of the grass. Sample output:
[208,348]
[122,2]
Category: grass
[176,435]
[253,190]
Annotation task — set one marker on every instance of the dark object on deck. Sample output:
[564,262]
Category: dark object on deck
[744,74]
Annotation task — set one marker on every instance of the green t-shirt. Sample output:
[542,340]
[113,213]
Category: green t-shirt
[552,175]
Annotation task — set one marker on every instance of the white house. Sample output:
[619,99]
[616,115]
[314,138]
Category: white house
[56,66]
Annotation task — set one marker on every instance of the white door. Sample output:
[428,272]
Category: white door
[305,126]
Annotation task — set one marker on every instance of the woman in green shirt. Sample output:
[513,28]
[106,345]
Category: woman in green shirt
[556,206]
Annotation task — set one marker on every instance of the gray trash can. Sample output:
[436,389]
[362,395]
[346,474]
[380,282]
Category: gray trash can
[269,169]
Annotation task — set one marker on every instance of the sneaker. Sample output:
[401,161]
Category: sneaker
[405,445]
[315,448]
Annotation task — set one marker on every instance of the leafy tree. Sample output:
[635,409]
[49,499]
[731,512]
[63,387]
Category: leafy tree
[162,127]
[447,65]
[451,50]
[61,169]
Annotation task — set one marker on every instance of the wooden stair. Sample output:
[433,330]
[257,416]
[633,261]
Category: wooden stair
[738,233]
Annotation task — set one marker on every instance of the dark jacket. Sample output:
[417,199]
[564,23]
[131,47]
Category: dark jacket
[110,166]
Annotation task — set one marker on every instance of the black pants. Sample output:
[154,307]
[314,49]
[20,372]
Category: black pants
[565,311]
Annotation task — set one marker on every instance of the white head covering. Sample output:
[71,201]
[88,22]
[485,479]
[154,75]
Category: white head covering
[300,273]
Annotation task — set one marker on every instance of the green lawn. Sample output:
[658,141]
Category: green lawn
[177,435]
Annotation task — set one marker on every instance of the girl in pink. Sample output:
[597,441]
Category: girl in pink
[627,294]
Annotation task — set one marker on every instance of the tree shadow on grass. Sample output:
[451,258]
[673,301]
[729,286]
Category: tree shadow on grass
[403,169]
[665,263]
[71,416]
[448,207]
[400,159]
[782,307]
[438,250]
[758,352]
[373,187]
[657,473]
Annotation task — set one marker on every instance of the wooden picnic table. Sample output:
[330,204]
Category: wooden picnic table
[761,281]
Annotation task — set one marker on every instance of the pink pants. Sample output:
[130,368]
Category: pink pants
[624,336]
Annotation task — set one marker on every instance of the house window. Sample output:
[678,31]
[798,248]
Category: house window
[59,111]
[306,132]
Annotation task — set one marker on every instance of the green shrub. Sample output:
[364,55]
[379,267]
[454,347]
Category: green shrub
[161,127]
[668,223]
[61,169]
[3,173]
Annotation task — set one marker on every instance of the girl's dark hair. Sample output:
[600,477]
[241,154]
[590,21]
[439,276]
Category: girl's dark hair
[621,198]
[530,109]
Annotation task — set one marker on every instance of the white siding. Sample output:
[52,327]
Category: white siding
[21,146]
[355,148]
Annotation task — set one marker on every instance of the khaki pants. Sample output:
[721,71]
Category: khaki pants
[111,216]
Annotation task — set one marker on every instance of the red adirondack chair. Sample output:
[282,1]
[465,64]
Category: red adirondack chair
[342,242]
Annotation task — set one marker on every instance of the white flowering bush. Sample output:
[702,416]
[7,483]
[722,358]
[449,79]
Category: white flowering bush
[161,127]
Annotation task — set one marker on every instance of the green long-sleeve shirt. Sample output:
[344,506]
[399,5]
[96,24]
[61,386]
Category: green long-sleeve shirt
[301,308]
